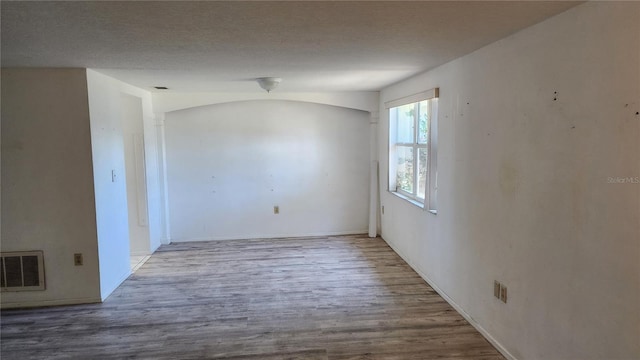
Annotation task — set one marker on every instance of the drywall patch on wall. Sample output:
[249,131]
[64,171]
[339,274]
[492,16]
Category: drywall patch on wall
[228,165]
[47,182]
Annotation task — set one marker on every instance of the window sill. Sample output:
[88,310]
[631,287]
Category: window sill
[413,202]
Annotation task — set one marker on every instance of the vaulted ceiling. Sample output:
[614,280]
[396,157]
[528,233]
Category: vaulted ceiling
[224,45]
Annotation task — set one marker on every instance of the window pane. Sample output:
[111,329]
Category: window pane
[406,124]
[423,122]
[30,271]
[422,172]
[404,170]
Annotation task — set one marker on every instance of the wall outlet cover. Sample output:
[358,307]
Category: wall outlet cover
[496,289]
[503,293]
[77,259]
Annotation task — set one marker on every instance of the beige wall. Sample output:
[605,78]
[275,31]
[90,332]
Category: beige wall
[132,135]
[47,182]
[525,195]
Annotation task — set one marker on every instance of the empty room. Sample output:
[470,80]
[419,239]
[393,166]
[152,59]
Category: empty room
[320,180]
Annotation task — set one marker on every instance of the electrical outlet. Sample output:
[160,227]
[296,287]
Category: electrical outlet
[382,209]
[113,176]
[496,289]
[503,293]
[276,209]
[77,259]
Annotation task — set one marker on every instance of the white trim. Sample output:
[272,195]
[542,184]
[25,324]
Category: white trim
[39,254]
[415,202]
[172,101]
[139,264]
[421,96]
[41,303]
[373,200]
[415,145]
[164,198]
[140,253]
[140,175]
[271,236]
[457,307]
[431,190]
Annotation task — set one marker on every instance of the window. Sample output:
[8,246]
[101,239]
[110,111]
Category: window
[412,148]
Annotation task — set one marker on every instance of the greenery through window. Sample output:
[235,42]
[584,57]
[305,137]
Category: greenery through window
[409,130]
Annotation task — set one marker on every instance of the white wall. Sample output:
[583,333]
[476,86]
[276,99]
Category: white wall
[524,196]
[168,101]
[229,164]
[47,182]
[105,103]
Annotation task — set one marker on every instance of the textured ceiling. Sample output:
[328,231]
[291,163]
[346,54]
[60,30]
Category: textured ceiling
[222,46]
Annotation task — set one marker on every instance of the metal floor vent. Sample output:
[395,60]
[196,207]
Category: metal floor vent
[22,271]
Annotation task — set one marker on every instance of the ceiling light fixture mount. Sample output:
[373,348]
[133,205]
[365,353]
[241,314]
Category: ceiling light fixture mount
[268,83]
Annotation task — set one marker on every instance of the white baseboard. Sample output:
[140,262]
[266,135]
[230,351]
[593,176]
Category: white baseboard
[139,264]
[457,307]
[271,236]
[42,303]
[139,253]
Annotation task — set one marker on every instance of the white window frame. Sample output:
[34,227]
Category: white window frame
[429,201]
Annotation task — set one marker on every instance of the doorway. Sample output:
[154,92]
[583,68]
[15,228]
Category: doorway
[133,138]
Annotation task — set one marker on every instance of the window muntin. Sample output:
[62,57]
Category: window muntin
[404,171]
[412,152]
[422,172]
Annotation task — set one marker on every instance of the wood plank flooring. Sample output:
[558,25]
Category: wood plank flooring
[345,297]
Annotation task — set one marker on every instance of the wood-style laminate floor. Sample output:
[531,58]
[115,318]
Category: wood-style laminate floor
[345,297]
